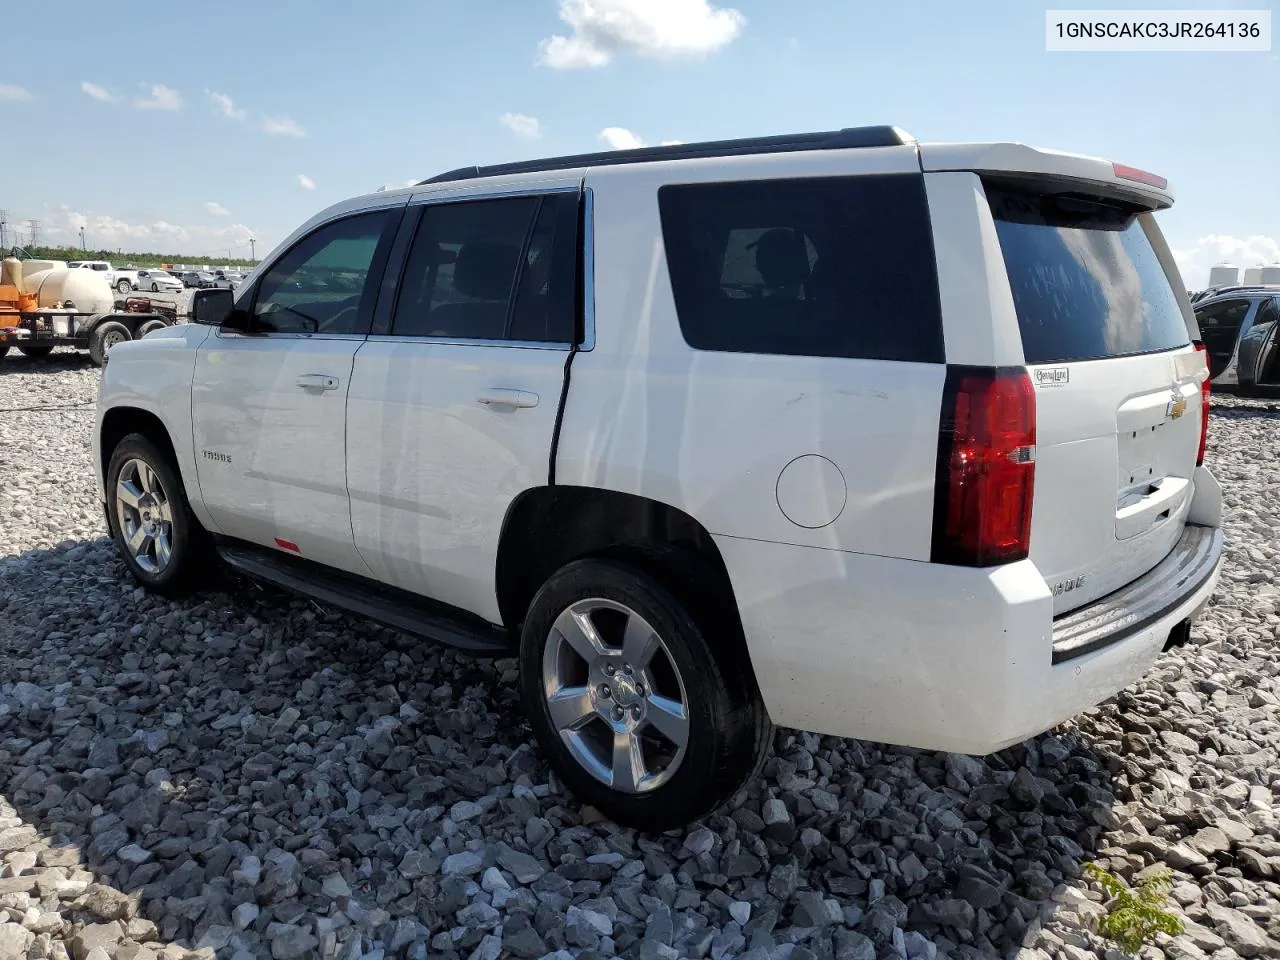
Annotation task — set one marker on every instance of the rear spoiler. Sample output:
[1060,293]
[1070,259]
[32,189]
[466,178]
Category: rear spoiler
[1019,161]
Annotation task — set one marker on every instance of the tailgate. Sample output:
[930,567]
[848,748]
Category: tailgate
[1117,382]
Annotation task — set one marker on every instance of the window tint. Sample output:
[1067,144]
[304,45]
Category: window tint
[832,267]
[1219,327]
[492,270]
[322,284]
[1086,281]
[1268,312]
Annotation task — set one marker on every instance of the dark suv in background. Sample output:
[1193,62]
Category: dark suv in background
[1239,328]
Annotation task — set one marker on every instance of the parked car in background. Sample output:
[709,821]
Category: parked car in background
[123,280]
[159,281]
[1239,327]
[190,279]
[709,437]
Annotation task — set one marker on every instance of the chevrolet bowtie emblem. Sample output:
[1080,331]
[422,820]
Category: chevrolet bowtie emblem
[1177,407]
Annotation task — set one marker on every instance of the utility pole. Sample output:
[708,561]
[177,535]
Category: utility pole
[33,232]
[83,248]
[4,223]
[253,254]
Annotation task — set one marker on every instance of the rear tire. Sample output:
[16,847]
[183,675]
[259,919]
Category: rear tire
[4,350]
[35,352]
[651,726]
[124,286]
[105,336]
[157,535]
[147,327]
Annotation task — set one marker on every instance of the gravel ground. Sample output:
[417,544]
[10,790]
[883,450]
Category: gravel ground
[248,775]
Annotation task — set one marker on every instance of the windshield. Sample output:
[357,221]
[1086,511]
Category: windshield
[1086,281]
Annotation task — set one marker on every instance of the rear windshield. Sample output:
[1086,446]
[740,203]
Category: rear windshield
[823,267]
[1086,283]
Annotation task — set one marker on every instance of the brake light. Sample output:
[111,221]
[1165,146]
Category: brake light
[986,467]
[1139,176]
[1204,405]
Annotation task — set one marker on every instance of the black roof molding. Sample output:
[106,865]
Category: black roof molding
[846,139]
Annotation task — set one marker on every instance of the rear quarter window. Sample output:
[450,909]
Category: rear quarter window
[826,267]
[1086,282]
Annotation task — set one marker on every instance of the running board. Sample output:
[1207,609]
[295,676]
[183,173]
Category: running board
[389,606]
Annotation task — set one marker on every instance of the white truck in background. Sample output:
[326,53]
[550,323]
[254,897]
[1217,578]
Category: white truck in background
[122,280]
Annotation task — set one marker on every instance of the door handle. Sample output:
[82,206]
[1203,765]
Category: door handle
[317,381]
[510,398]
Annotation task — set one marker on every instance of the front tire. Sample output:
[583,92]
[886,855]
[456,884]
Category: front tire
[157,535]
[635,710]
[154,288]
[124,286]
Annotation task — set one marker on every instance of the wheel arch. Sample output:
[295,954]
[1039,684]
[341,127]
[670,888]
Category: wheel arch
[550,526]
[119,422]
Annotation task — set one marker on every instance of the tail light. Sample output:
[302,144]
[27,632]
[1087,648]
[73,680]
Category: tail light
[1124,172]
[986,467]
[1204,405]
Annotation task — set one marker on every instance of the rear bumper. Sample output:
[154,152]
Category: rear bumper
[944,658]
[1149,599]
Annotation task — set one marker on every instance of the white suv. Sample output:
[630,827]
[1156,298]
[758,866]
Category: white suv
[839,431]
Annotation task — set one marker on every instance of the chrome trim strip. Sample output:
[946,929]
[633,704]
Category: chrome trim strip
[589,271]
[286,335]
[462,342]
[463,196]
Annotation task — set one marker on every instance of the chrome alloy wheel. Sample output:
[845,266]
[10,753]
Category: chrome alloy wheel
[615,695]
[145,517]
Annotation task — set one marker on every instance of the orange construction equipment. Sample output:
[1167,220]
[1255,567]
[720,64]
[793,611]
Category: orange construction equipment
[14,298]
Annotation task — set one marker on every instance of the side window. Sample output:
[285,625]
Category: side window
[1219,326]
[324,284]
[492,270]
[1268,312]
[826,267]
[1223,317]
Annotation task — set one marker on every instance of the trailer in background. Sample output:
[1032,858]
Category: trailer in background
[36,332]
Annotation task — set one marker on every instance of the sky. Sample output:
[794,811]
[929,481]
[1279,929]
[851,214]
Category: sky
[190,132]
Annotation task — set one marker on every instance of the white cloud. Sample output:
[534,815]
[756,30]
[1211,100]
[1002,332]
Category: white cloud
[1194,262]
[9,91]
[161,98]
[217,209]
[672,143]
[522,126]
[620,138]
[104,230]
[97,91]
[660,29]
[305,182]
[224,106]
[282,127]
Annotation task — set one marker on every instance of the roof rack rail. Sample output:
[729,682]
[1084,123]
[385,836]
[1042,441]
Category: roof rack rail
[846,139]
[1240,288]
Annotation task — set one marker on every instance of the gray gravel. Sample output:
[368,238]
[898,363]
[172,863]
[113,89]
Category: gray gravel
[247,775]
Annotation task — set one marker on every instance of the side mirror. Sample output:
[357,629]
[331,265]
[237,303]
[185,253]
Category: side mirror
[215,307]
